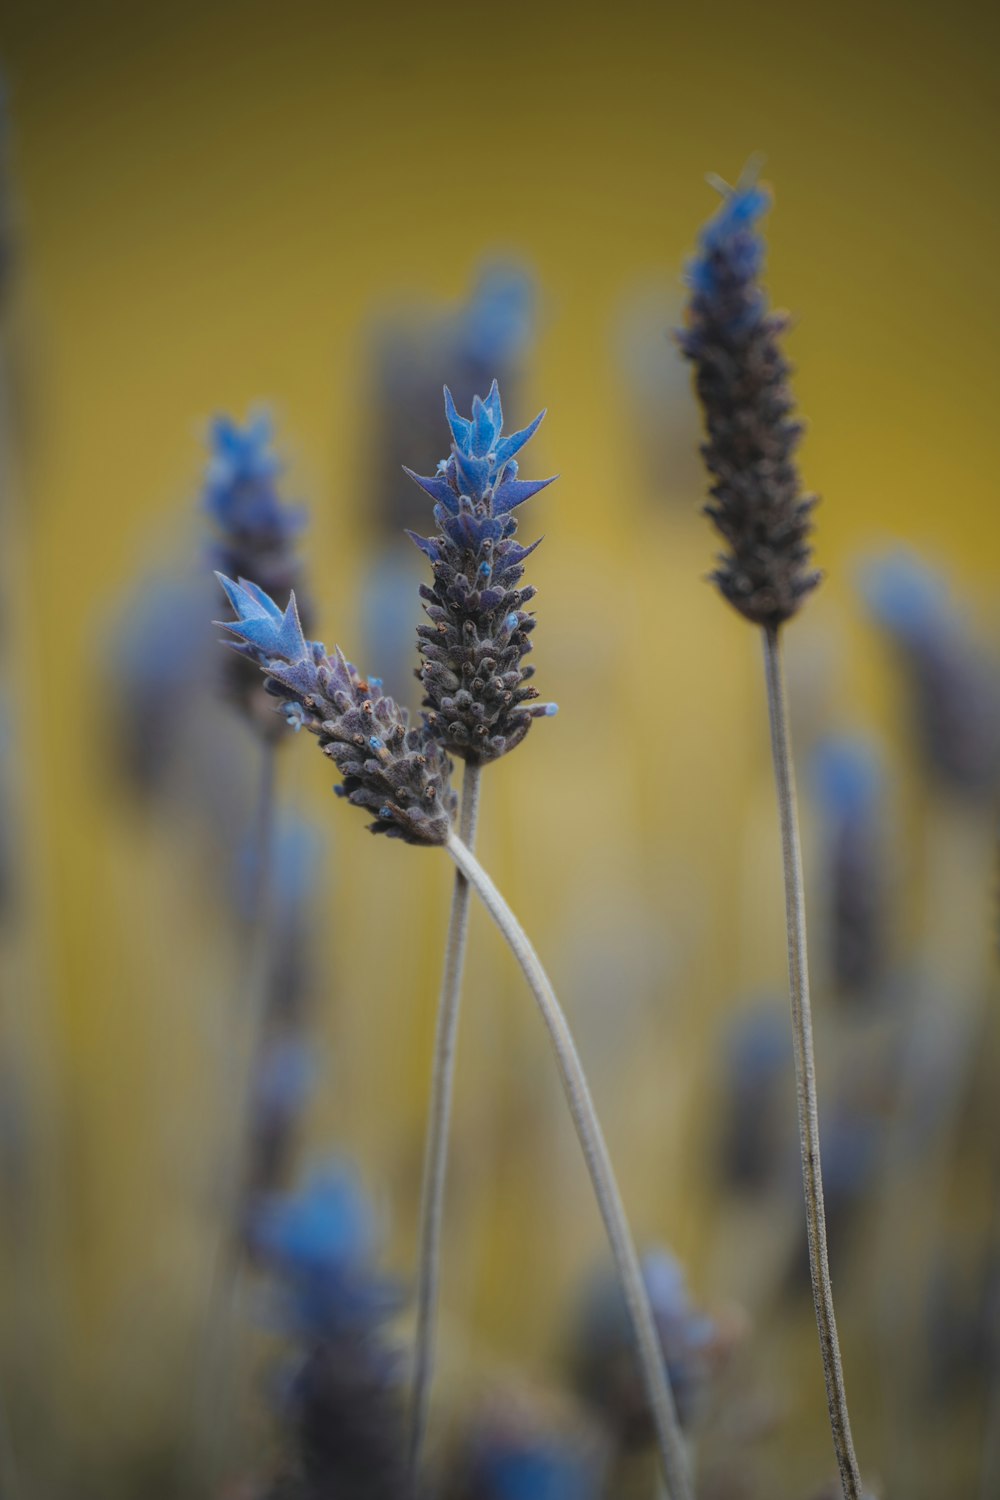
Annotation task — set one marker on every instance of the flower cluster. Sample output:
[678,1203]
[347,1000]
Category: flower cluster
[847,781]
[953,685]
[343,1410]
[525,1444]
[255,532]
[605,1368]
[400,774]
[476,688]
[741,377]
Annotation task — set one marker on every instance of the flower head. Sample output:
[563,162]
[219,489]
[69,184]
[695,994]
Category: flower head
[741,377]
[320,1242]
[475,689]
[525,1443]
[401,774]
[342,1410]
[953,685]
[255,531]
[847,783]
[605,1366]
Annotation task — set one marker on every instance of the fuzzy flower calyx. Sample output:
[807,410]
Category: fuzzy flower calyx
[400,774]
[741,377]
[476,691]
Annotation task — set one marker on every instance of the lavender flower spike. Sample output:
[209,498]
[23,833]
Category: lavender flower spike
[741,378]
[401,774]
[476,693]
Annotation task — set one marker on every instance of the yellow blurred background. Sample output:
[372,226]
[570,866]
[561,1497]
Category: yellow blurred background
[214,205]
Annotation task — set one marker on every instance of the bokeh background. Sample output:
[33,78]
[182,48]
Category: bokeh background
[212,207]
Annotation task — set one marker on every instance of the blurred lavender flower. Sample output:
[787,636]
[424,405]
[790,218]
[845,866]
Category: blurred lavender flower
[486,338]
[954,688]
[255,534]
[343,1409]
[741,377]
[400,774]
[160,666]
[473,680]
[756,1136]
[321,1242]
[603,1360]
[523,1446]
[847,782]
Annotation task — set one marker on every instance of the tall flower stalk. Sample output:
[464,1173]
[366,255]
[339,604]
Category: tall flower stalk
[757,506]
[666,1423]
[402,775]
[479,706]
[254,530]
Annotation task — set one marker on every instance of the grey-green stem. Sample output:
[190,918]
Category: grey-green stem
[436,1153]
[805,1069]
[669,1438]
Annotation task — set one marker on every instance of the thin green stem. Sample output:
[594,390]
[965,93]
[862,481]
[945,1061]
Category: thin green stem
[669,1438]
[212,1384]
[805,1069]
[436,1155]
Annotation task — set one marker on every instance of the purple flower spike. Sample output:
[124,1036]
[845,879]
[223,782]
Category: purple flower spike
[475,689]
[399,774]
[741,377]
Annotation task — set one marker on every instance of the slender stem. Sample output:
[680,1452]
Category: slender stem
[212,1381]
[805,1070]
[669,1438]
[436,1154]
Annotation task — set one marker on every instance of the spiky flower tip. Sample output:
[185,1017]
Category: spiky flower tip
[400,774]
[741,377]
[476,691]
[255,532]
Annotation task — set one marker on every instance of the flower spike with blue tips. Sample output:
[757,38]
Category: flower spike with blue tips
[475,689]
[741,377]
[398,773]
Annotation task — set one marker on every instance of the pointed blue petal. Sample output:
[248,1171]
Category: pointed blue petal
[437,487]
[473,475]
[247,607]
[484,432]
[291,641]
[514,555]
[258,593]
[461,429]
[426,545]
[513,444]
[494,407]
[514,492]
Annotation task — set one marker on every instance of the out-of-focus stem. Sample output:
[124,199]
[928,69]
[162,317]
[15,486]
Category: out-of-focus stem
[213,1382]
[670,1440]
[805,1069]
[436,1155]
